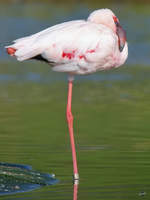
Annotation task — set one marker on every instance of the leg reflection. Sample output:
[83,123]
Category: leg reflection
[75,189]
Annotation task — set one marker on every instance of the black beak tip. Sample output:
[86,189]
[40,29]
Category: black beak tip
[121,47]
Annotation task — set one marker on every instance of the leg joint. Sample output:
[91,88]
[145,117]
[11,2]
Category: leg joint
[69,116]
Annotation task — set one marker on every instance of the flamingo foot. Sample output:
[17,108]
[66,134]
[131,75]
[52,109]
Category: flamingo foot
[11,51]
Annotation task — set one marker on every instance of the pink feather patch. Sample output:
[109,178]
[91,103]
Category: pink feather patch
[11,51]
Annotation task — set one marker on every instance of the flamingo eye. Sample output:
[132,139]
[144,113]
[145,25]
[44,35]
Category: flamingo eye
[116,20]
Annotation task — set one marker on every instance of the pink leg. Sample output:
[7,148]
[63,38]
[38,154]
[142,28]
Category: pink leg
[75,190]
[70,126]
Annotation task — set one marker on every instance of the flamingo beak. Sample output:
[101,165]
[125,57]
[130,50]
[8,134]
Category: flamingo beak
[121,35]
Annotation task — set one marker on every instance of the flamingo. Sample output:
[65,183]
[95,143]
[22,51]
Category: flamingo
[76,47]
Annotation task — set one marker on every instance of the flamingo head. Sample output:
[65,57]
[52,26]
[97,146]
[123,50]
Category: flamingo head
[108,18]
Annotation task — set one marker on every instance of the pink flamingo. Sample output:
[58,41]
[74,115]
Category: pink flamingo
[76,47]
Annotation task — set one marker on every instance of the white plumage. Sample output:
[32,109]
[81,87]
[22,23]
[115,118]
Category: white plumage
[77,47]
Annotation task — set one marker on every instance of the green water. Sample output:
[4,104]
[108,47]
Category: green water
[111,130]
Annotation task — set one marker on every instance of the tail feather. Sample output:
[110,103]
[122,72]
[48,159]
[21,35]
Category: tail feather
[11,51]
[27,53]
[24,48]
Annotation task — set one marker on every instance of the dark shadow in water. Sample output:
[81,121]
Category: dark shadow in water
[16,178]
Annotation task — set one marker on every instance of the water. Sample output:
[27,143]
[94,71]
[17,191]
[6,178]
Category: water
[111,109]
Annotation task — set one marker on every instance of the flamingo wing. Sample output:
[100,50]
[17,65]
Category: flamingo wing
[36,44]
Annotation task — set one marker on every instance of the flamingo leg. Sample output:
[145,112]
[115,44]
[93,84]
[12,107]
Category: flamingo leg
[70,127]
